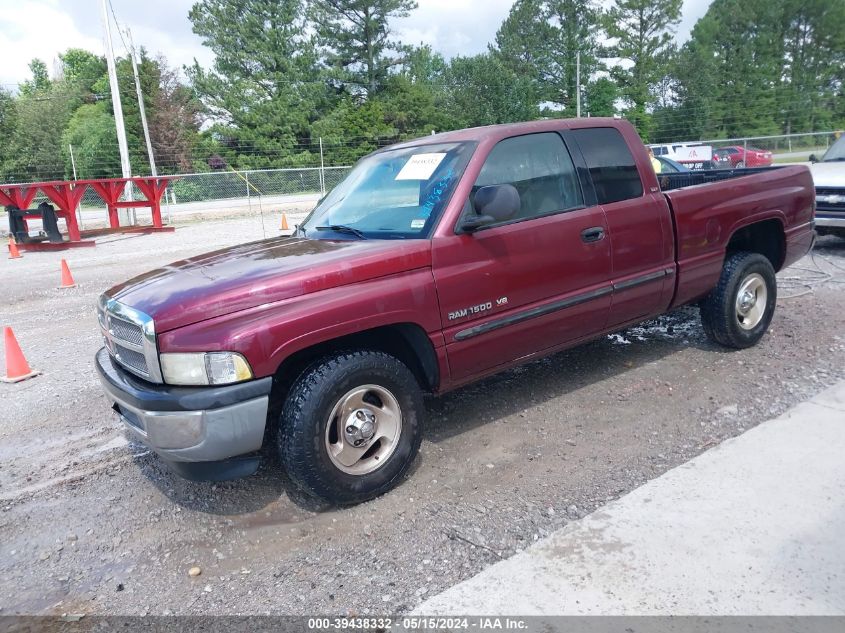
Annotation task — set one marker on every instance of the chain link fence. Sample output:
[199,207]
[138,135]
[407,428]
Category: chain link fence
[785,148]
[270,190]
[227,185]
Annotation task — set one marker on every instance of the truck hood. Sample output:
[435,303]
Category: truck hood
[248,275]
[830,174]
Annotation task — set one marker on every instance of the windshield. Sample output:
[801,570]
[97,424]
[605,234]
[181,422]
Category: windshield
[836,151]
[393,194]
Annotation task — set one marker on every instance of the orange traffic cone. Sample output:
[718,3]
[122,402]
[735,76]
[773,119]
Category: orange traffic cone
[284,226]
[14,253]
[17,368]
[67,278]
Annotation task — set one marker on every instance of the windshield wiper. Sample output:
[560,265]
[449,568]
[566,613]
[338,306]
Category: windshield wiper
[343,228]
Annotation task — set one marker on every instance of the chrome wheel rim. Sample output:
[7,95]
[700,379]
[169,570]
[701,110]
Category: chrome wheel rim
[751,300]
[363,429]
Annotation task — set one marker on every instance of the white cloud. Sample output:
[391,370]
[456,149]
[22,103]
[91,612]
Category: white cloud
[36,28]
[44,28]
[454,27]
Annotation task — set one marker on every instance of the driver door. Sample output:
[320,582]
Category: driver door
[531,283]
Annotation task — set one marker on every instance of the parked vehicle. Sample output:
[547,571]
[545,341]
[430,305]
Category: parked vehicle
[829,178]
[435,263]
[691,155]
[737,157]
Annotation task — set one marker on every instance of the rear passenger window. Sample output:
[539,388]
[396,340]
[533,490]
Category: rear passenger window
[540,168]
[611,164]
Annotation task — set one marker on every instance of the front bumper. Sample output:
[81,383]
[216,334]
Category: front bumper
[830,221]
[203,432]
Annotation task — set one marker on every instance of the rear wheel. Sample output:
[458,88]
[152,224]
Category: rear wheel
[350,426]
[740,308]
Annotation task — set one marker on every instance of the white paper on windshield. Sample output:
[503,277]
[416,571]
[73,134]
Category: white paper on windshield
[420,166]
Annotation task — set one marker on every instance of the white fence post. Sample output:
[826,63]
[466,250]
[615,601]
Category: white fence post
[322,170]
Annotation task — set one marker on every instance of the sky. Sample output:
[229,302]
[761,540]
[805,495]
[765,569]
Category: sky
[44,28]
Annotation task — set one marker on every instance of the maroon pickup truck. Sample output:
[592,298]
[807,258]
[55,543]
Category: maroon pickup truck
[436,262]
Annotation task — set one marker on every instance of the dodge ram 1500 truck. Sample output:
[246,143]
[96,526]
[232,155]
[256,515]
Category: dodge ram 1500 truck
[436,262]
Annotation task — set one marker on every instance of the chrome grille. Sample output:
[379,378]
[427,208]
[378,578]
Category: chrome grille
[125,331]
[130,338]
[830,199]
[130,358]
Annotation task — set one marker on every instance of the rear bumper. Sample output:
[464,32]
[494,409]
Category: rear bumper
[204,432]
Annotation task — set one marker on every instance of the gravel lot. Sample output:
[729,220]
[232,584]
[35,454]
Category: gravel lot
[91,523]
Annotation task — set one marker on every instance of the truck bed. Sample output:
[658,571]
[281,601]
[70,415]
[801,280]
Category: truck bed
[709,207]
[702,177]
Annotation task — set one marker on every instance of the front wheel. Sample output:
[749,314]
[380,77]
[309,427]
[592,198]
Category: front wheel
[350,426]
[740,308]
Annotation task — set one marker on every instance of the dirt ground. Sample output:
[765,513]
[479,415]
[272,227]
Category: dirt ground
[91,523]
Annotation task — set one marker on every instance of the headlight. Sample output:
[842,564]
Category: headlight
[204,368]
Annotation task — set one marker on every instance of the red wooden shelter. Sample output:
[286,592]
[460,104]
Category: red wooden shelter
[65,195]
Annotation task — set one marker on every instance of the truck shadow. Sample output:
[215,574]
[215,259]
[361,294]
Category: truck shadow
[565,372]
[455,413]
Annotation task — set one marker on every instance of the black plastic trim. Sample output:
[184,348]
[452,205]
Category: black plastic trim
[532,313]
[223,470]
[154,397]
[643,279]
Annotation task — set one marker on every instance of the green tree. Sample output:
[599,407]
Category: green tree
[600,97]
[8,125]
[355,35]
[82,68]
[352,130]
[729,74]
[542,38]
[35,151]
[481,90]
[642,31]
[264,85]
[92,133]
[40,81]
[814,64]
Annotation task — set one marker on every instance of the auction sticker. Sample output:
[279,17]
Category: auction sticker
[420,166]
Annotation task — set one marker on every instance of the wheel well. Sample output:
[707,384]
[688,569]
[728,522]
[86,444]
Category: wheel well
[406,341]
[766,237]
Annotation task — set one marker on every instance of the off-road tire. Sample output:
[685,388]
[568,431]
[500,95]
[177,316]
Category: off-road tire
[718,309]
[305,413]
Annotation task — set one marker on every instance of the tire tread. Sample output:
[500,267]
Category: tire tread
[717,309]
[296,430]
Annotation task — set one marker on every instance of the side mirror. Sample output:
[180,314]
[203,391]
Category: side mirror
[492,204]
[813,158]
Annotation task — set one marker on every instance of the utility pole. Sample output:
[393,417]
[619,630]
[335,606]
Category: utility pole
[143,112]
[78,209]
[126,170]
[578,84]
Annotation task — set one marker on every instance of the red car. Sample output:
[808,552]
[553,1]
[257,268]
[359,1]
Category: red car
[737,156]
[435,263]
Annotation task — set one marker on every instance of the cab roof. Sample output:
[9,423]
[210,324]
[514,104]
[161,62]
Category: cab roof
[496,132]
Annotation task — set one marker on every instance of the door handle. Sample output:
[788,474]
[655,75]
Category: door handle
[593,234]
